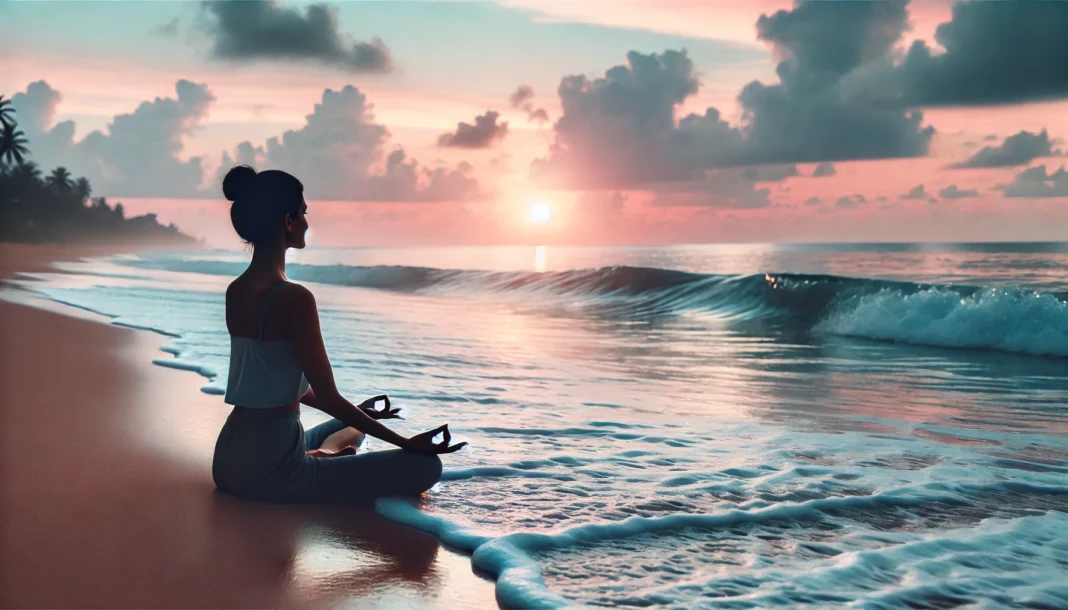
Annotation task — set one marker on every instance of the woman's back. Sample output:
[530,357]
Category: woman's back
[247,300]
[265,371]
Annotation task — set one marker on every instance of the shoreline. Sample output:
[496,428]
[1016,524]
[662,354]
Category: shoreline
[107,498]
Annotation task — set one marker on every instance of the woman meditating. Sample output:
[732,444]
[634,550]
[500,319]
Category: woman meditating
[278,360]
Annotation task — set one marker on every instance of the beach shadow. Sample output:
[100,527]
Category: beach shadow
[322,554]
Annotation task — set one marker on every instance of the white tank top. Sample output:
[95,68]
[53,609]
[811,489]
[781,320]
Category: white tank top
[264,374]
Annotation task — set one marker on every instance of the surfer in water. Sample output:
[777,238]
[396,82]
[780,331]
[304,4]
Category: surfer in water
[278,361]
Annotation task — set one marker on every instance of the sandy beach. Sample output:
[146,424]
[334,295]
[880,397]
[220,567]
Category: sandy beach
[106,497]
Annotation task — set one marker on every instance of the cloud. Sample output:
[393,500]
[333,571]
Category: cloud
[916,192]
[522,100]
[824,169]
[995,53]
[770,173]
[952,192]
[484,133]
[137,155]
[813,201]
[1035,182]
[620,130]
[522,95]
[340,154]
[725,188]
[1019,149]
[264,29]
[168,29]
[849,202]
[36,107]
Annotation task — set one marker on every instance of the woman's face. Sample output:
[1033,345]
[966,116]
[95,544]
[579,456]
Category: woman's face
[296,227]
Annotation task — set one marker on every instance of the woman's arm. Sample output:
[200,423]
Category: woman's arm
[307,339]
[367,406]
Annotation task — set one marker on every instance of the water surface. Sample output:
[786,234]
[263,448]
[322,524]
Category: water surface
[695,426]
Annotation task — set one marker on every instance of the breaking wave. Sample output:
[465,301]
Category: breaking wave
[974,317]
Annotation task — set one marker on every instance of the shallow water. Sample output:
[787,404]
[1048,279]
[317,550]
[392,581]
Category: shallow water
[695,427]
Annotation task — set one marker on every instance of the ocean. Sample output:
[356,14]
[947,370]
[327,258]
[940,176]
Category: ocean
[743,426]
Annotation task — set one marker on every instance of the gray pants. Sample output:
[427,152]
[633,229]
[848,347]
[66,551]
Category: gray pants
[260,455]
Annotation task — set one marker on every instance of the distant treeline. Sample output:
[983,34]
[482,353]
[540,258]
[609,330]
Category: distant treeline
[59,208]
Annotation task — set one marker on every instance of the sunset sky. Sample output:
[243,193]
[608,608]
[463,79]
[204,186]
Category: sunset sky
[562,121]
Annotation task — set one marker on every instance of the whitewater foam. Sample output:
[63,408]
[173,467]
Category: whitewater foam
[998,319]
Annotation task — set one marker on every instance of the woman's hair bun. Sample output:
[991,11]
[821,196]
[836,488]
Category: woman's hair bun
[239,183]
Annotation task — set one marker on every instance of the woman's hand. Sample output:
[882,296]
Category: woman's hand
[425,442]
[368,407]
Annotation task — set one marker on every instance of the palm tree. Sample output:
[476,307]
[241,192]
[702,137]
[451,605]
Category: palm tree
[27,171]
[59,179]
[13,145]
[83,188]
[5,109]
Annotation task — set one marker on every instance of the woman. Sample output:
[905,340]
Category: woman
[276,353]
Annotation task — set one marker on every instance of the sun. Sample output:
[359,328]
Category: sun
[540,213]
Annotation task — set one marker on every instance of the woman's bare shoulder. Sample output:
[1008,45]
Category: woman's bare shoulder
[297,295]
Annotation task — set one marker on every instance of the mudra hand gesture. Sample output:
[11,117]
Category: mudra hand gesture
[425,442]
[421,442]
[368,407]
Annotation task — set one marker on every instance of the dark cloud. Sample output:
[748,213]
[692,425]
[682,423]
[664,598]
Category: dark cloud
[952,192]
[137,155]
[823,42]
[538,115]
[1019,149]
[1035,182]
[620,130]
[995,53]
[824,169]
[807,116]
[521,96]
[522,100]
[484,133]
[617,131]
[813,201]
[849,201]
[725,188]
[916,192]
[770,173]
[264,29]
[340,154]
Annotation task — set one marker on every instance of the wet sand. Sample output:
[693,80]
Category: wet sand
[106,497]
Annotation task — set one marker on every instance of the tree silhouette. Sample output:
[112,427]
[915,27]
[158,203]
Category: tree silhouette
[12,144]
[83,188]
[26,172]
[54,210]
[59,179]
[6,109]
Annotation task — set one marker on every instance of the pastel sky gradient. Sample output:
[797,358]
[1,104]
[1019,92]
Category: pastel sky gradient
[640,121]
